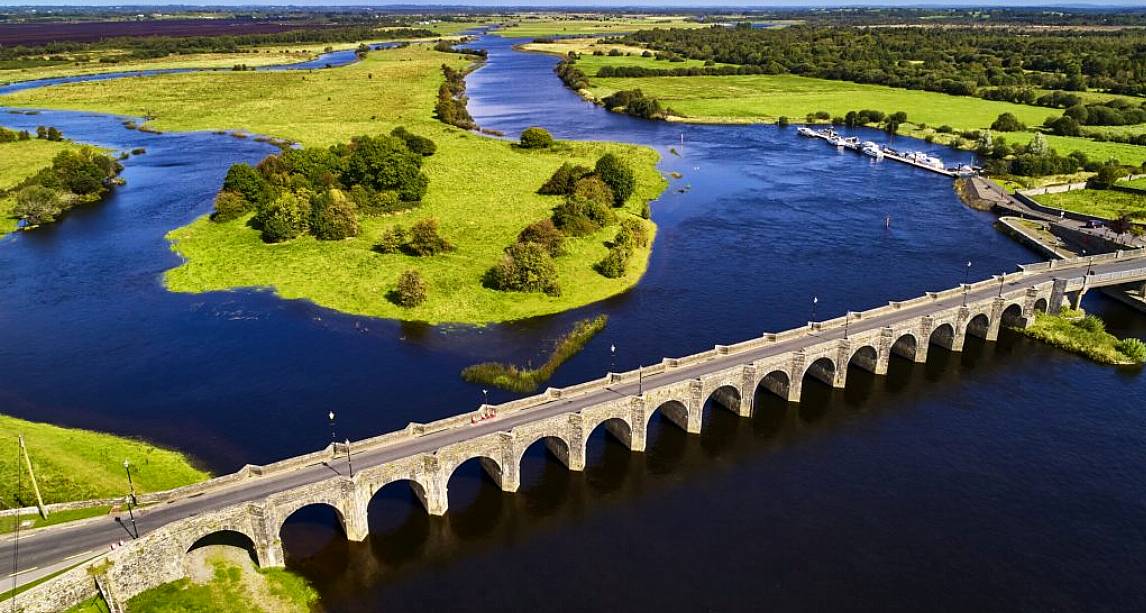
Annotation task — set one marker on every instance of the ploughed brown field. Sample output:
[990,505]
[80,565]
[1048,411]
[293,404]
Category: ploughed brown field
[36,34]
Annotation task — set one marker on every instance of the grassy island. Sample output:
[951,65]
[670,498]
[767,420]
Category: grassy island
[482,191]
[518,379]
[22,159]
[1087,336]
[73,464]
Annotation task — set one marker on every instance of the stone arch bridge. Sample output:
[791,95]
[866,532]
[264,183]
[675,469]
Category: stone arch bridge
[248,508]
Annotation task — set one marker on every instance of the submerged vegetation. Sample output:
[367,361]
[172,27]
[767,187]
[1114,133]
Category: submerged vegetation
[1087,336]
[517,379]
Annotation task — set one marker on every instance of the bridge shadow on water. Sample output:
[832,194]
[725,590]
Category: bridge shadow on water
[483,522]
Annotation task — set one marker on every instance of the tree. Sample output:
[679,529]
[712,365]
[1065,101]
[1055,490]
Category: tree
[411,290]
[1007,122]
[425,240]
[632,234]
[592,188]
[333,216]
[615,262]
[84,171]
[230,205]
[544,233]
[385,163]
[536,138]
[285,217]
[1064,126]
[525,267]
[563,179]
[581,217]
[782,121]
[1106,176]
[618,176]
[37,205]
[248,183]
[391,240]
[418,144]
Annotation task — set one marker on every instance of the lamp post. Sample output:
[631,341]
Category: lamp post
[131,515]
[330,416]
[485,397]
[641,380]
[348,463]
[130,484]
[815,301]
[612,358]
[966,281]
[1002,280]
[847,318]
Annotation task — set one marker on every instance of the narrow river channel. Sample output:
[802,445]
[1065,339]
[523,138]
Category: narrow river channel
[1006,477]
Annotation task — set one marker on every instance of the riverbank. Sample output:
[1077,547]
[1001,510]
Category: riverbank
[23,159]
[764,98]
[1085,335]
[73,464]
[482,190]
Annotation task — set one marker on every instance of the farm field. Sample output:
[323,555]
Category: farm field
[22,159]
[480,217]
[1107,203]
[550,26]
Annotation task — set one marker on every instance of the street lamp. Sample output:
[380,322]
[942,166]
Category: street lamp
[612,358]
[131,514]
[485,397]
[130,484]
[330,416]
[847,318]
[815,301]
[348,463]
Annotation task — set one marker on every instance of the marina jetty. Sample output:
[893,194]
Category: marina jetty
[874,150]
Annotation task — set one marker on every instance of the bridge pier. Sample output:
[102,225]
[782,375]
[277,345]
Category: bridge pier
[747,391]
[434,496]
[1075,298]
[353,511]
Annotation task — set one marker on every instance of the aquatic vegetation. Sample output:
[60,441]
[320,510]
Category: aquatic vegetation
[518,379]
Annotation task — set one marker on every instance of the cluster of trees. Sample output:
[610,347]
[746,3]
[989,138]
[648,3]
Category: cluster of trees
[75,177]
[590,196]
[1115,112]
[50,133]
[451,107]
[11,136]
[422,239]
[634,102]
[322,191]
[956,61]
[570,74]
[1036,158]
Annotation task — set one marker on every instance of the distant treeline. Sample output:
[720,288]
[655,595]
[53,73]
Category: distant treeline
[958,61]
[161,46]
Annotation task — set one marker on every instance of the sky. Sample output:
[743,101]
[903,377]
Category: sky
[587,3]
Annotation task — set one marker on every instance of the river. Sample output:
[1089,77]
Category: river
[1008,476]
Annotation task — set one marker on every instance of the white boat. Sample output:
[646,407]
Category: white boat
[836,140]
[805,131]
[871,149]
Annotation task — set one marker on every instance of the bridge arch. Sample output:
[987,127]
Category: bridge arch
[906,346]
[1040,305]
[727,396]
[822,369]
[286,512]
[417,488]
[617,426]
[226,537]
[865,357]
[556,446]
[943,335]
[675,411]
[491,465]
[979,326]
[1012,316]
[777,382]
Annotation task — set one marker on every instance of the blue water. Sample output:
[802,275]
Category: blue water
[1008,477]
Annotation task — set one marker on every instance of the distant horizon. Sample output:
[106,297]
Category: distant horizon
[590,4]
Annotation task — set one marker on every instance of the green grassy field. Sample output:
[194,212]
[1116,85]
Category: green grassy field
[234,588]
[1106,203]
[550,26]
[482,190]
[73,464]
[1136,183]
[21,160]
[1069,331]
[764,98]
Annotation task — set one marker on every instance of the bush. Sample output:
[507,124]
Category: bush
[333,216]
[391,240]
[592,188]
[546,234]
[632,234]
[1132,348]
[37,205]
[285,217]
[1092,324]
[782,121]
[563,179]
[1007,122]
[384,163]
[424,239]
[1106,177]
[580,217]
[84,171]
[411,290]
[536,138]
[615,262]
[525,267]
[247,182]
[618,176]
[418,144]
[229,206]
[1064,126]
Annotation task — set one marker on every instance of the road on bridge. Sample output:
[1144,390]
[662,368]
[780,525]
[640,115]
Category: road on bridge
[45,551]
